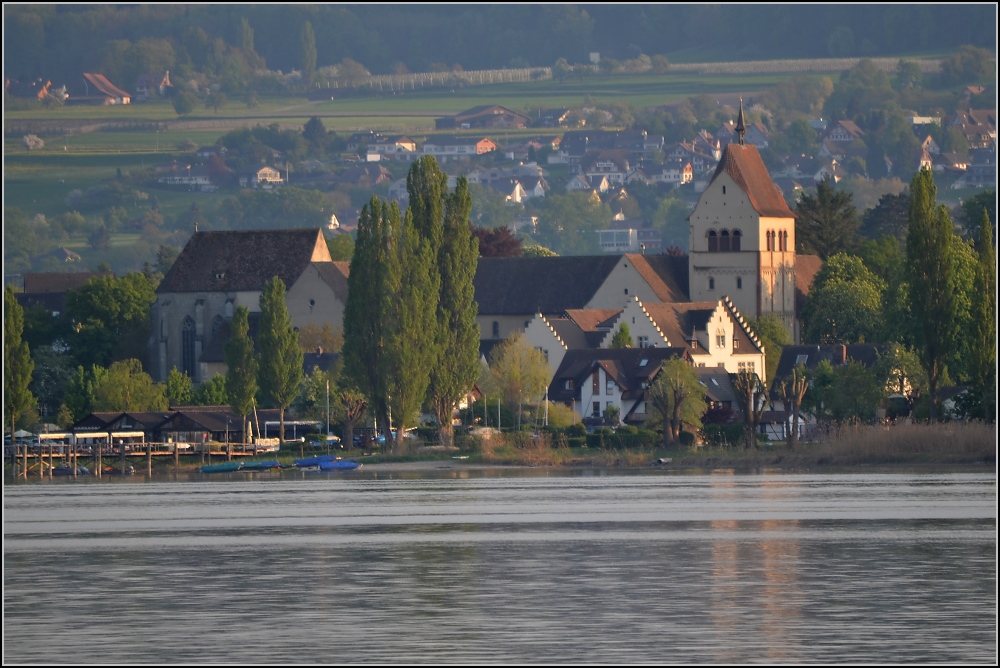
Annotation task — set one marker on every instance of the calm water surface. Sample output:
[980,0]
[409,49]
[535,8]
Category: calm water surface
[504,567]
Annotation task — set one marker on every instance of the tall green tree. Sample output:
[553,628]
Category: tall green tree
[17,363]
[844,304]
[126,387]
[367,300]
[242,367]
[825,223]
[983,348]
[307,43]
[930,263]
[412,349]
[179,388]
[280,355]
[677,396]
[457,366]
[112,318]
[518,372]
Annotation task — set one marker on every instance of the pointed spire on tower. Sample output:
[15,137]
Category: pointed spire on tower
[741,128]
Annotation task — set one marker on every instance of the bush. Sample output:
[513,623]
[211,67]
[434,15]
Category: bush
[576,430]
[723,435]
[627,430]
[686,438]
[576,441]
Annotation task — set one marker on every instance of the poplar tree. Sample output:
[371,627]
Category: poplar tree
[241,362]
[367,301]
[931,268]
[280,354]
[622,338]
[457,366]
[308,43]
[411,344]
[17,363]
[984,324]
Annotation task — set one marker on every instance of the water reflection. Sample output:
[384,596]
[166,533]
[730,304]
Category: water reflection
[504,568]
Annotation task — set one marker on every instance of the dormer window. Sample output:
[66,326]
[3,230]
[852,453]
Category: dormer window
[219,275]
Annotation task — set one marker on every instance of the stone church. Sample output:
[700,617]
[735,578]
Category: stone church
[218,271]
[743,239]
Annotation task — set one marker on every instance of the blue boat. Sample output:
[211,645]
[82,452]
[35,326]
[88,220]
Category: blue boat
[222,468]
[338,465]
[314,461]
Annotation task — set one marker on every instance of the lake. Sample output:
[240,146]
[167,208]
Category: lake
[503,566]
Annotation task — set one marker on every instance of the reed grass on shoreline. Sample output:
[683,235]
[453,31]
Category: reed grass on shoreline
[953,443]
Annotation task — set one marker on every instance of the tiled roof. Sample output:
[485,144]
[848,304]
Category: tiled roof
[811,355]
[102,84]
[547,285]
[59,281]
[745,166]
[630,367]
[335,275]
[678,321]
[667,275]
[244,261]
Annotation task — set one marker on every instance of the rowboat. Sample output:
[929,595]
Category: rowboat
[338,465]
[222,468]
[309,462]
[259,466]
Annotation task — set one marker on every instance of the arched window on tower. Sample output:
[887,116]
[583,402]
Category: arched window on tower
[713,241]
[737,239]
[724,246]
[783,242]
[187,346]
[770,240]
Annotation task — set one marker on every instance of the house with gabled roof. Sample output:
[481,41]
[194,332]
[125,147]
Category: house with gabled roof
[48,289]
[484,116]
[590,380]
[444,148]
[148,85]
[218,271]
[715,335]
[510,291]
[103,90]
[843,131]
[612,164]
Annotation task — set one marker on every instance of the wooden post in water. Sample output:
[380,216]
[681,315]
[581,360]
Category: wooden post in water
[123,456]
[50,459]
[98,457]
[177,457]
[25,461]
[149,458]
[73,456]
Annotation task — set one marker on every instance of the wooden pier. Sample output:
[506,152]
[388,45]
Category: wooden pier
[43,460]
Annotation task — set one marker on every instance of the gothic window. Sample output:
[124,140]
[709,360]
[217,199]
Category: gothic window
[783,242]
[216,324]
[713,242]
[737,238]
[770,240]
[724,246]
[187,346]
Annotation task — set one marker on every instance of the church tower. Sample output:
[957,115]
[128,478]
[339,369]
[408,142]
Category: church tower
[743,238]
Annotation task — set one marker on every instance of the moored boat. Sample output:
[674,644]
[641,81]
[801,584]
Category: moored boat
[222,468]
[314,461]
[338,465]
[66,469]
[259,466]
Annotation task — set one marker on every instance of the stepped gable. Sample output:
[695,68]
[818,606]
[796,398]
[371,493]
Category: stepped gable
[244,261]
[666,274]
[678,321]
[745,166]
[547,285]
